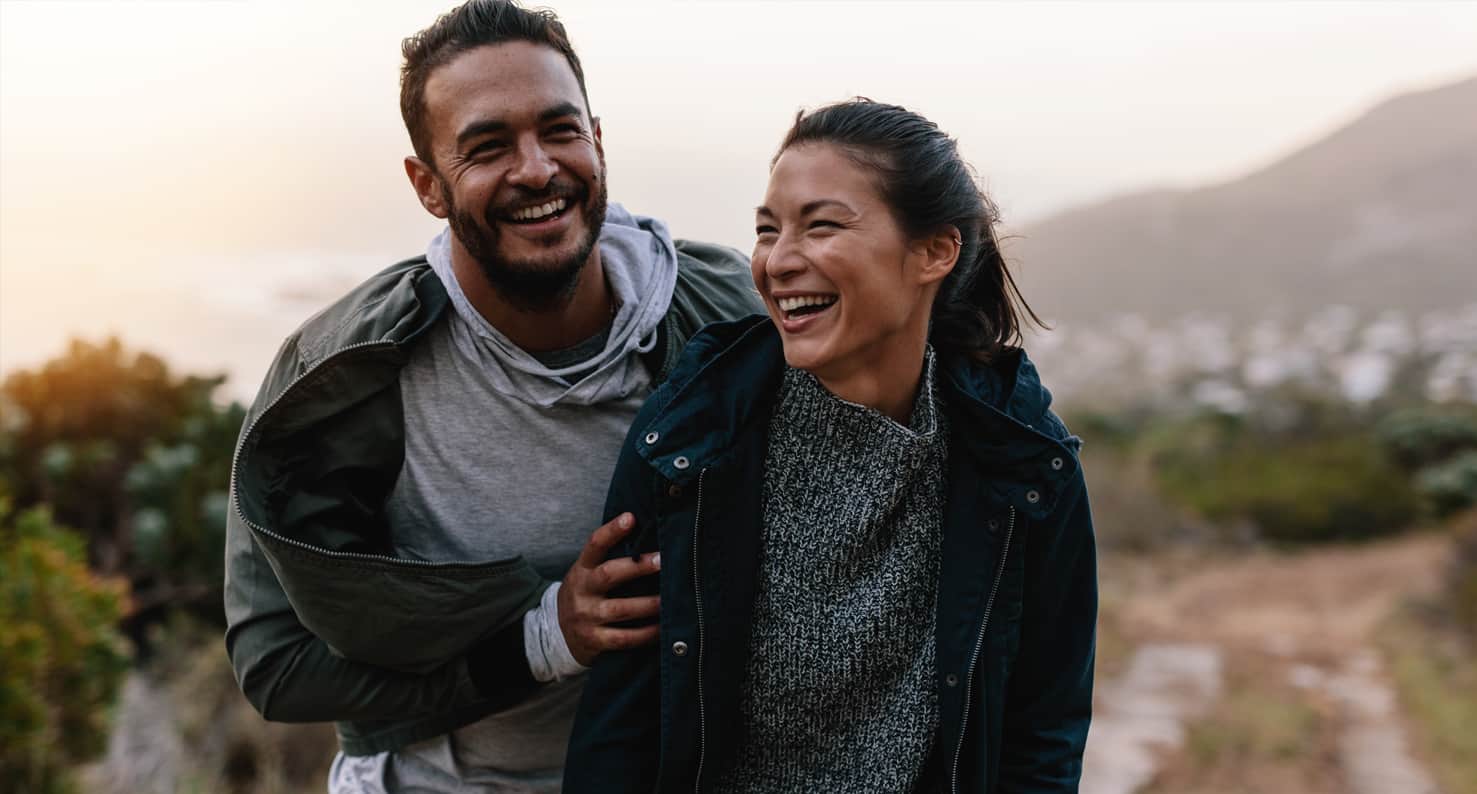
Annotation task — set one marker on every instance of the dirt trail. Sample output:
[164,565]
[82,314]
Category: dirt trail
[1313,615]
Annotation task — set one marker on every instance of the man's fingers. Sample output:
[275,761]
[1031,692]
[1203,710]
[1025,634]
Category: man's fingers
[604,539]
[609,639]
[617,610]
[616,572]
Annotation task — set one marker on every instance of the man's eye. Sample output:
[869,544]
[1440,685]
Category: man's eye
[763,230]
[564,130]
[486,147]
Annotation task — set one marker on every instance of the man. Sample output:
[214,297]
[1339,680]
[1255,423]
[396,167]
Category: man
[428,453]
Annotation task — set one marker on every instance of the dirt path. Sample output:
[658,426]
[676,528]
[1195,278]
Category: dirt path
[1307,619]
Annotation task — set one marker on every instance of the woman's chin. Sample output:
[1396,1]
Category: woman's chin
[804,355]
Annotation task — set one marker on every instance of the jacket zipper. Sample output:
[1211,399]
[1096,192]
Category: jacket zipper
[979,644]
[702,643]
[347,555]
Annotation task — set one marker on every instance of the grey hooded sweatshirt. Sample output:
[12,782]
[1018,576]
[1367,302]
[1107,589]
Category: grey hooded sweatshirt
[495,437]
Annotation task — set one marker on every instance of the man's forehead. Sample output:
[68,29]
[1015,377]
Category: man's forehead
[506,80]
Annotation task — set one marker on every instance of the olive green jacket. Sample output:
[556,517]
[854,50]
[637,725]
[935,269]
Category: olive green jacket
[324,622]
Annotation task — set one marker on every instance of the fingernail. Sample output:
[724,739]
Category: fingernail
[656,560]
[627,520]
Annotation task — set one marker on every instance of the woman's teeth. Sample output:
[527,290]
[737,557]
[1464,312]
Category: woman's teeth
[541,211]
[804,301]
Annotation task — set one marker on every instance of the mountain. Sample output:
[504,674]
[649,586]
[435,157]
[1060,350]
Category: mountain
[1381,213]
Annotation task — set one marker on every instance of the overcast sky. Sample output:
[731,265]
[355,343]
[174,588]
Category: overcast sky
[197,175]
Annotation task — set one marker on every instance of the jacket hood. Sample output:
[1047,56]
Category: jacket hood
[729,374]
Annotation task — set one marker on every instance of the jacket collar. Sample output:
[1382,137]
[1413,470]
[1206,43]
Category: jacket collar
[725,385]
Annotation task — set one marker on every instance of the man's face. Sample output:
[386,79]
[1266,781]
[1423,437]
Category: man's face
[519,166]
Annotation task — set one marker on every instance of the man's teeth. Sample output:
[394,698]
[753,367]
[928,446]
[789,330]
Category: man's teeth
[542,210]
[800,302]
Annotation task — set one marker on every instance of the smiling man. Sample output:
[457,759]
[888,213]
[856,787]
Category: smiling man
[409,552]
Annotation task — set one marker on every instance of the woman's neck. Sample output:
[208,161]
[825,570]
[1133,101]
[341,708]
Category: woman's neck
[886,381]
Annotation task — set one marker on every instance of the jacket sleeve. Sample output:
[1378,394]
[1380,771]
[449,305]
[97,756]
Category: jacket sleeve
[1049,696]
[615,745]
[290,675]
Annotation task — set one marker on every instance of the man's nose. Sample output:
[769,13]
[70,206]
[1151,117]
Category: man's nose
[534,168]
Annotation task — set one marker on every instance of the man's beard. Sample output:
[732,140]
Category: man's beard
[530,285]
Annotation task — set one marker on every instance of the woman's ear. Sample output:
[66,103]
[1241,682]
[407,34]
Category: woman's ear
[939,253]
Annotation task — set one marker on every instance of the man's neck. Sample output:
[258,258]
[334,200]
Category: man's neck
[587,311]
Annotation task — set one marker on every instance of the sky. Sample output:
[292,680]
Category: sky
[198,176]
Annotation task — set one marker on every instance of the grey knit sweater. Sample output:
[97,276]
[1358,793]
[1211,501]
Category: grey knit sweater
[840,692]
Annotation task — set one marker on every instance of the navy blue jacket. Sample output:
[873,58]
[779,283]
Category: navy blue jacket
[1017,593]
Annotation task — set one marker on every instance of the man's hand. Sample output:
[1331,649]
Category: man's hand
[585,613]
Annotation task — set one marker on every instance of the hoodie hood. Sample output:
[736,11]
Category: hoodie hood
[640,263]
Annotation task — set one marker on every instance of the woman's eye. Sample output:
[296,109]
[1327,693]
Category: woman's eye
[824,225]
[763,230]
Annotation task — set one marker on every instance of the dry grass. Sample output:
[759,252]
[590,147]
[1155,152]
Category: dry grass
[1263,735]
[1434,670]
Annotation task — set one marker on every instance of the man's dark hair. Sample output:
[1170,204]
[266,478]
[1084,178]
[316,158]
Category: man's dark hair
[476,23]
[979,312]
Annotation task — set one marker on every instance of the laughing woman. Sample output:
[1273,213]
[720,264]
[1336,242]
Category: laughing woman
[878,565]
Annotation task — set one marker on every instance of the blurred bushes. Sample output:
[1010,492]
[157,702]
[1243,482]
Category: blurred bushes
[135,458]
[1299,491]
[1440,447]
[61,658]
[1462,580]
[1291,468]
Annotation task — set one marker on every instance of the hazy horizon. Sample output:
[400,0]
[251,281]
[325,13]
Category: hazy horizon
[196,177]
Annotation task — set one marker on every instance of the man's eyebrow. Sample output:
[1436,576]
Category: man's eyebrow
[490,126]
[480,128]
[561,109]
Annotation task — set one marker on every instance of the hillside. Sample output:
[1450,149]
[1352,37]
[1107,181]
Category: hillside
[1381,213]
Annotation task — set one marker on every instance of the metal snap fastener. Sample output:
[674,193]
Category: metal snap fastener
[652,437]
[1033,496]
[993,524]
[674,491]
[679,648]
[681,462]
[951,680]
[1056,463]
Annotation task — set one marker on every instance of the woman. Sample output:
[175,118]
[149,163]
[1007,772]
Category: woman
[877,558]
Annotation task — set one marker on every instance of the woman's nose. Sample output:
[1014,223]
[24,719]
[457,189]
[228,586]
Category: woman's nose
[785,259]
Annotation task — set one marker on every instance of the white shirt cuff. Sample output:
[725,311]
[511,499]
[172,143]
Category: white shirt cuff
[549,658]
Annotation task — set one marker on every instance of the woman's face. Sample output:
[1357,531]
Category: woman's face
[845,286]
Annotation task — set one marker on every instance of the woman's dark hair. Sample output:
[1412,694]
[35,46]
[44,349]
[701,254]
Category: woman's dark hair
[979,310]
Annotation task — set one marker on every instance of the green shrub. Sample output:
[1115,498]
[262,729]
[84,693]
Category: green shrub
[1298,492]
[1451,485]
[134,457]
[1462,580]
[1417,438]
[61,659]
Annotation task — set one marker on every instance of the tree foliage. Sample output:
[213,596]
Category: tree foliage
[134,457]
[61,658]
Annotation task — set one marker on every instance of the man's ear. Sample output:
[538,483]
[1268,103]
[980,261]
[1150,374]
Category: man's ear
[939,253]
[427,186]
[599,144]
